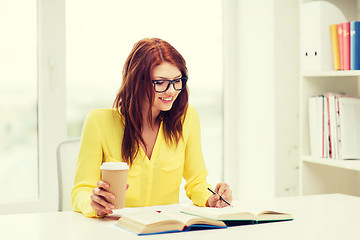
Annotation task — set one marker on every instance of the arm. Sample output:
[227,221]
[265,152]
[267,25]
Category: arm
[194,167]
[87,172]
[195,171]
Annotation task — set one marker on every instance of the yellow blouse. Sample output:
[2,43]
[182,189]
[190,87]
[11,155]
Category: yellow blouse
[154,181]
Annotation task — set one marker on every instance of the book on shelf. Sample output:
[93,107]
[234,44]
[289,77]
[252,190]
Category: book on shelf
[331,100]
[316,125]
[335,46]
[233,216]
[346,43]
[355,45]
[334,126]
[145,222]
[326,127]
[319,126]
[349,130]
[341,45]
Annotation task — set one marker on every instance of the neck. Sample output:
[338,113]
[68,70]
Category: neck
[145,114]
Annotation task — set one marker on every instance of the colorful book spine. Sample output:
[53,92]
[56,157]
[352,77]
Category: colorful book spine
[341,45]
[355,45]
[346,38]
[335,46]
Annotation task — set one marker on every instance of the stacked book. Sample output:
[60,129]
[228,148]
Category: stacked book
[345,43]
[334,126]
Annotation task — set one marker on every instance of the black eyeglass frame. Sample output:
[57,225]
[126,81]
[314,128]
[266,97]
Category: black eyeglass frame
[184,79]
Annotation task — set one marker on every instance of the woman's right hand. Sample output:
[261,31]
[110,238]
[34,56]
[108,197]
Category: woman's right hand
[101,199]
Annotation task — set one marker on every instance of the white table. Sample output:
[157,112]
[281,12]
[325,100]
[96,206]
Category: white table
[332,216]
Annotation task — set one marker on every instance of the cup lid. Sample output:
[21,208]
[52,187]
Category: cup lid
[114,166]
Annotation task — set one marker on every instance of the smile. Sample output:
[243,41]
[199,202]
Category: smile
[168,99]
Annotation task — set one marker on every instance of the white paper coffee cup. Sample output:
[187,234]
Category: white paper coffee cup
[115,174]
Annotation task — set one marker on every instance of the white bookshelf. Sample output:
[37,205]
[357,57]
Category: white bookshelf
[352,73]
[337,163]
[322,175]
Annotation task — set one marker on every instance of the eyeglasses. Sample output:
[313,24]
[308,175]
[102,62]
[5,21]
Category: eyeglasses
[163,85]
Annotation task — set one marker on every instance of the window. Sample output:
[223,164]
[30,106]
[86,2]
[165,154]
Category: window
[32,96]
[18,100]
[100,35]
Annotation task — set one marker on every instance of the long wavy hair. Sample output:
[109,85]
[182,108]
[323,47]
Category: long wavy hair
[137,86]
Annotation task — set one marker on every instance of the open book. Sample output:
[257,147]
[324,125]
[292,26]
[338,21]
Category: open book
[145,222]
[235,216]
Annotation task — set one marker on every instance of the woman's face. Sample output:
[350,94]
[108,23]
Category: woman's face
[164,101]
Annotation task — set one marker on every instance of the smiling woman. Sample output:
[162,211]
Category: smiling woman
[97,48]
[150,59]
[155,130]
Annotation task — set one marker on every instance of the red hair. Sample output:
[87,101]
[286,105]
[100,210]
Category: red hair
[137,84]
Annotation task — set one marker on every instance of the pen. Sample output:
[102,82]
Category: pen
[221,198]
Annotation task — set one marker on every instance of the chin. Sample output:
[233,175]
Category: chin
[165,109]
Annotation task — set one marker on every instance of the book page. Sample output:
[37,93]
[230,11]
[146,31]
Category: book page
[271,215]
[184,218]
[188,219]
[171,207]
[146,217]
[226,213]
[149,221]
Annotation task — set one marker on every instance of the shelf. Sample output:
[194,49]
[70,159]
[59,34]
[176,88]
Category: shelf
[348,73]
[345,164]
[324,175]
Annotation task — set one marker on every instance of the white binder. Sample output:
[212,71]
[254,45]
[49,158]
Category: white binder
[349,116]
[315,35]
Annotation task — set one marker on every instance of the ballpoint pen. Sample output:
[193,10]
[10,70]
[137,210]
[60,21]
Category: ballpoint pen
[221,198]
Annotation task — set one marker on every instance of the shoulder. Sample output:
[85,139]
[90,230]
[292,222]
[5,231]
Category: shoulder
[101,113]
[191,117]
[191,113]
[103,116]
[191,110]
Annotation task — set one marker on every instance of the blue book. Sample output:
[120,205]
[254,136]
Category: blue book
[355,45]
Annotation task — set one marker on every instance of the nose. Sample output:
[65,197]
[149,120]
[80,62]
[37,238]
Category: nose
[171,90]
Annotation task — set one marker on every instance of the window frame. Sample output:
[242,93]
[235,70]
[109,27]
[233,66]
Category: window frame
[51,94]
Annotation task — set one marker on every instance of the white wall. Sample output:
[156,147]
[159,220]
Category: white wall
[286,97]
[265,165]
[256,98]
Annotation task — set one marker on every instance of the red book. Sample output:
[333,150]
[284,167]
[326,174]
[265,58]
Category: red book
[346,38]
[341,45]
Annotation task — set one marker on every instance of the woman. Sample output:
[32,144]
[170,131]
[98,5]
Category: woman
[152,128]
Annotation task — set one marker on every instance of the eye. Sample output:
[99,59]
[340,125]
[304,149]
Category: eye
[177,80]
[159,82]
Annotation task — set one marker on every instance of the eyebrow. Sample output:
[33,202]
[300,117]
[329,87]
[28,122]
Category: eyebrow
[163,78]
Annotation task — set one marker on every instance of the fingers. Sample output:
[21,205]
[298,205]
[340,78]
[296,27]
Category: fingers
[103,185]
[212,200]
[99,209]
[223,189]
[101,199]
[108,196]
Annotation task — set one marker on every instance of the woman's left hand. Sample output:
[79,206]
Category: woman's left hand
[222,189]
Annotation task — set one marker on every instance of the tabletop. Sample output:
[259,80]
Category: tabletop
[329,216]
